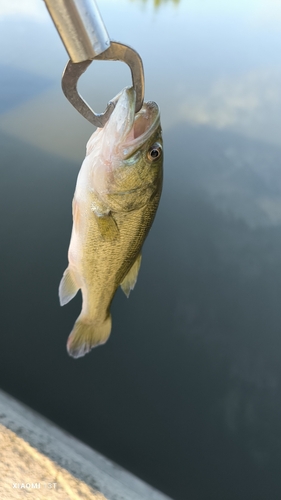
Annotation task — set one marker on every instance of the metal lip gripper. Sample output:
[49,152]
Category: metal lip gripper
[85,38]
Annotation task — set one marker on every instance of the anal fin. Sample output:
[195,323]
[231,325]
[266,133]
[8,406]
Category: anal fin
[67,287]
[130,279]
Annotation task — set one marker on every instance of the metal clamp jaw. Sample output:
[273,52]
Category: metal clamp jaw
[73,71]
[85,38]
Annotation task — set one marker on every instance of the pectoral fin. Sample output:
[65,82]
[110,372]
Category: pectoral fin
[107,227]
[67,287]
[130,279]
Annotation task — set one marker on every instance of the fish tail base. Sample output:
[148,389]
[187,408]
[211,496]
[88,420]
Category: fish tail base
[86,335]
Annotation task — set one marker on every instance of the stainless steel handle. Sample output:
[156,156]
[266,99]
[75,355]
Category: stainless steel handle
[80,27]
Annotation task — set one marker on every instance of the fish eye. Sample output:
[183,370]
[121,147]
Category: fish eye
[154,152]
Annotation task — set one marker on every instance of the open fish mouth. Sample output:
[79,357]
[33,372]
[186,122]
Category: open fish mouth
[144,123]
[131,129]
[125,132]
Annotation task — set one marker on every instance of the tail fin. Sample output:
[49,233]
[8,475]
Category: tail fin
[85,336]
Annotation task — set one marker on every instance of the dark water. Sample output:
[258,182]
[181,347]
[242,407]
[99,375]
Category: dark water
[186,393]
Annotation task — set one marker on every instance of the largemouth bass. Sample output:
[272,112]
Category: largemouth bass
[116,197]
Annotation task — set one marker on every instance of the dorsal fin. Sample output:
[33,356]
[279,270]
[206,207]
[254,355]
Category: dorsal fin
[130,279]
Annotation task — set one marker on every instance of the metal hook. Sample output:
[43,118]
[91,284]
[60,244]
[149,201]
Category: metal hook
[73,71]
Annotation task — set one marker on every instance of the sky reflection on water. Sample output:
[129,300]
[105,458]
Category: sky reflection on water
[186,393]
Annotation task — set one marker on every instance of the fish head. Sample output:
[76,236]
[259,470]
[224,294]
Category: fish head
[129,155]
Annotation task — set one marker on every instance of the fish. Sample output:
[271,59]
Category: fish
[117,194]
